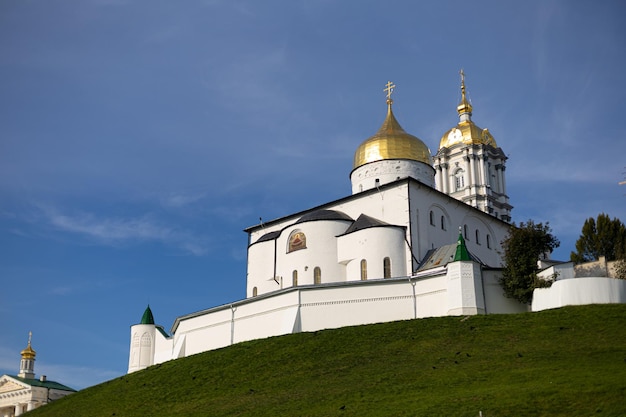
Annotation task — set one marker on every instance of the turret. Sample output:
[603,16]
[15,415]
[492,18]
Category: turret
[27,363]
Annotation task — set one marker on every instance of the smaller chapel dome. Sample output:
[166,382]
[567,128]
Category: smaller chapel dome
[466,132]
[28,352]
[391,142]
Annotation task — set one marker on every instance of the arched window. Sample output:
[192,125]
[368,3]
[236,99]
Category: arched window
[465,232]
[477,237]
[488,242]
[386,267]
[317,275]
[459,180]
[432,218]
[294,278]
[255,292]
[443,223]
[363,269]
[297,241]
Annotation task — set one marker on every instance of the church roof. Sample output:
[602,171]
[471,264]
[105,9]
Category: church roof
[269,236]
[365,222]
[466,132]
[35,382]
[443,255]
[324,215]
[147,317]
[391,142]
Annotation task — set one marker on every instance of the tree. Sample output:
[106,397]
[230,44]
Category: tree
[601,237]
[523,247]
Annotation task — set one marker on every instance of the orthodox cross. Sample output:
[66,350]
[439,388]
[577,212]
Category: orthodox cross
[389,89]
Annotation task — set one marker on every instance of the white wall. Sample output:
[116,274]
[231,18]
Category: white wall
[580,291]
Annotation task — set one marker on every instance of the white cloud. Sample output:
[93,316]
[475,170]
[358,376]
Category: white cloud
[115,230]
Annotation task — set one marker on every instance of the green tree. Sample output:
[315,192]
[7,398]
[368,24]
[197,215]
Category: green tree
[523,247]
[601,237]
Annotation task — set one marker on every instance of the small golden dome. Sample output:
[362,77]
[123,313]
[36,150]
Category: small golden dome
[466,132]
[29,352]
[391,142]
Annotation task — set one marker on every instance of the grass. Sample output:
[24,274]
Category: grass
[565,362]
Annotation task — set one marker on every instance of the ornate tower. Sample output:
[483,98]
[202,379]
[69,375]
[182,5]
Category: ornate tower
[470,166]
[27,364]
[389,155]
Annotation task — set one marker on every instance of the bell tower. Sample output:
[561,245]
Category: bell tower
[27,364]
[470,166]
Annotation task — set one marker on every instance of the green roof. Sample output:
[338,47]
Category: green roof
[461,253]
[147,318]
[34,382]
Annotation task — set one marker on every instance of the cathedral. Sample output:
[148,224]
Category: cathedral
[419,236]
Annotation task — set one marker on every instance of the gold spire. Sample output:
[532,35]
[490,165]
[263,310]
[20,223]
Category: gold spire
[391,141]
[464,106]
[29,352]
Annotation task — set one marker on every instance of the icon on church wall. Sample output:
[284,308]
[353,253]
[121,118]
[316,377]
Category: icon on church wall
[297,241]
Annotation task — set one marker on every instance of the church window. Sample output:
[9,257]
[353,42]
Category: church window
[294,278]
[432,218]
[443,223]
[488,241]
[363,269]
[386,267]
[459,180]
[477,237]
[465,235]
[255,291]
[297,241]
[317,275]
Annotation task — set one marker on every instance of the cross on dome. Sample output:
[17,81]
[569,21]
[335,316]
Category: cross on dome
[389,90]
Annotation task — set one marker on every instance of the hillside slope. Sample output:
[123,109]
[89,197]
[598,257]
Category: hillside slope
[565,362]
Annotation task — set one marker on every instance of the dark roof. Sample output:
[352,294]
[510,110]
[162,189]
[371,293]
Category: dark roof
[324,215]
[365,222]
[33,382]
[443,255]
[269,236]
[147,317]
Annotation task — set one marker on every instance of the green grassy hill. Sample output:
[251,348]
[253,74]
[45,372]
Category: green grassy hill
[565,362]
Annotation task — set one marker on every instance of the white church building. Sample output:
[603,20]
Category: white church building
[418,237]
[23,392]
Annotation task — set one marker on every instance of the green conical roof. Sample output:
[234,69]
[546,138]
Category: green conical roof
[147,318]
[461,253]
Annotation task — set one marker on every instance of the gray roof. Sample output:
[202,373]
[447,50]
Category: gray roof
[324,215]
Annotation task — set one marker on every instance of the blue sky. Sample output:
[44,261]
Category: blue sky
[138,139]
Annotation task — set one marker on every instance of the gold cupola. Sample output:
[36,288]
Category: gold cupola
[466,132]
[391,142]
[27,363]
[28,352]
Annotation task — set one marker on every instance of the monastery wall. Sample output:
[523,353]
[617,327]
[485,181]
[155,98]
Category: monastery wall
[580,291]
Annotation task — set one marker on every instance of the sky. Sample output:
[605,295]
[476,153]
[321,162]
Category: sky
[139,138]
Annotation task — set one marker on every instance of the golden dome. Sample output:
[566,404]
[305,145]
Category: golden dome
[29,352]
[391,142]
[466,132]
